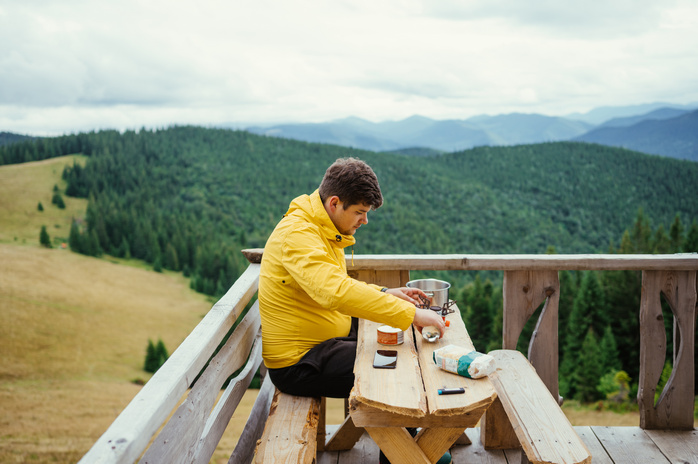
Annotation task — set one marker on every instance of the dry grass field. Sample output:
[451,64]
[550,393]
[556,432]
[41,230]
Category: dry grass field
[74,330]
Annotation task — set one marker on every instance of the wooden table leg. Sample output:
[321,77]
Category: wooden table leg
[434,442]
[398,445]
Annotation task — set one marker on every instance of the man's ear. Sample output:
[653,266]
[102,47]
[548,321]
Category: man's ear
[333,203]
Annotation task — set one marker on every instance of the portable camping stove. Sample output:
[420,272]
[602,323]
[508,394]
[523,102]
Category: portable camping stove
[443,310]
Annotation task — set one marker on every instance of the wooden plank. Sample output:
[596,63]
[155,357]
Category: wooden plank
[130,433]
[345,437]
[581,262]
[179,439]
[385,278]
[479,393]
[628,445]
[226,405]
[396,391]
[522,262]
[497,432]
[245,447]
[523,293]
[476,452]
[434,442]
[680,446]
[674,408]
[543,430]
[598,453]
[397,445]
[290,435]
[364,451]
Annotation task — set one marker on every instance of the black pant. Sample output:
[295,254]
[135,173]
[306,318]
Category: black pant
[326,370]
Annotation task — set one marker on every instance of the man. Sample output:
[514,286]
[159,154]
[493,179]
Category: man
[308,304]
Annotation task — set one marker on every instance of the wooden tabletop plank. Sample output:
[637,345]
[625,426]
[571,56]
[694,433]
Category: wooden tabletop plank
[479,393]
[398,391]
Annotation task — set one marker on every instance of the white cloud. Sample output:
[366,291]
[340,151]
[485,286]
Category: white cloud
[73,64]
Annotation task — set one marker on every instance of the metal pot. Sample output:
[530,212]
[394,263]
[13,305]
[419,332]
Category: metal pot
[435,289]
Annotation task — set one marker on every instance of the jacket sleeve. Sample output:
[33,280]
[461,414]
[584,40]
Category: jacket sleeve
[311,264]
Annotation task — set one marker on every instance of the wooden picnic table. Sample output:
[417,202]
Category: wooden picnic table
[386,401]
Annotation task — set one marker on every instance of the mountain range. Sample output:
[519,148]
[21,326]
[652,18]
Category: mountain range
[657,128]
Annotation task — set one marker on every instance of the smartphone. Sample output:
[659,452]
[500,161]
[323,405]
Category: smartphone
[385,359]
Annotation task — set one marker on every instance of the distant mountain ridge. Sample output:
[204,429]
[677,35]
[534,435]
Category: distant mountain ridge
[422,133]
[676,137]
[444,135]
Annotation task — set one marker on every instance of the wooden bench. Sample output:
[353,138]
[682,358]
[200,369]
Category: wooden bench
[290,434]
[526,415]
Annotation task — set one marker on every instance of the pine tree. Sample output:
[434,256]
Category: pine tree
[479,313]
[44,238]
[587,373]
[161,353]
[74,239]
[691,244]
[589,311]
[40,207]
[610,360]
[58,200]
[661,244]
[641,234]
[676,235]
[151,358]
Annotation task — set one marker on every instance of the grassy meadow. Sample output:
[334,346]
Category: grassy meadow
[75,329]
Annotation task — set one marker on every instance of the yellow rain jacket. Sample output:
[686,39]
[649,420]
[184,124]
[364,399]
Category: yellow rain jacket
[305,294]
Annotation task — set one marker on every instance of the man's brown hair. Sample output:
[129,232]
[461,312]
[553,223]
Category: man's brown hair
[353,181]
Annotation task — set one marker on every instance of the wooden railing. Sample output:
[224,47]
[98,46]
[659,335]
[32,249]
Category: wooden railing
[144,432]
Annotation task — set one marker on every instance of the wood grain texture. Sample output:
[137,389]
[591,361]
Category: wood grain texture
[629,445]
[398,445]
[476,453]
[345,437]
[674,408]
[680,446]
[543,430]
[479,393]
[523,293]
[380,394]
[179,439]
[247,443]
[226,405]
[593,444]
[290,434]
[520,262]
[496,429]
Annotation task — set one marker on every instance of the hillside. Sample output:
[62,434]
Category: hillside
[75,328]
[191,198]
[7,138]
[674,137]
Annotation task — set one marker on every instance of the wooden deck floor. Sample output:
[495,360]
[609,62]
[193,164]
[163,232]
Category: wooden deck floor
[608,445]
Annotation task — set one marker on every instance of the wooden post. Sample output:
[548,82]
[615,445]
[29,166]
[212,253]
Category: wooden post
[674,408]
[524,291]
[389,279]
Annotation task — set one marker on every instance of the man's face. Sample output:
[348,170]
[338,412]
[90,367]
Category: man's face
[347,221]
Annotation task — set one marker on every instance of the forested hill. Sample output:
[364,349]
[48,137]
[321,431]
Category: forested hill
[189,198]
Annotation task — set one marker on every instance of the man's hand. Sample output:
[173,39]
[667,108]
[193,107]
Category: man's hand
[407,294]
[426,317]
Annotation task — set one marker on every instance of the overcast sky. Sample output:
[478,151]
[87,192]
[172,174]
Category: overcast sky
[74,65]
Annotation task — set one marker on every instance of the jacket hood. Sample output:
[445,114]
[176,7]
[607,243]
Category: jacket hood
[310,207]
